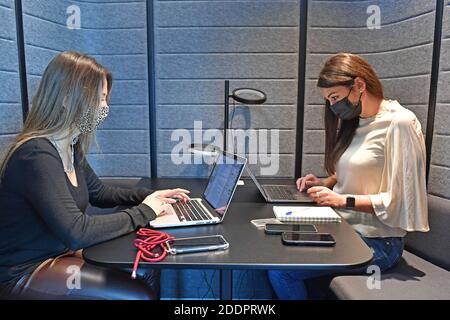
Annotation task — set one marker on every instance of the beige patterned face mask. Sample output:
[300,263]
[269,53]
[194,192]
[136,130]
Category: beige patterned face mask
[92,118]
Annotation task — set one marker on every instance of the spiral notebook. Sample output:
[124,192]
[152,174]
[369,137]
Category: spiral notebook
[306,214]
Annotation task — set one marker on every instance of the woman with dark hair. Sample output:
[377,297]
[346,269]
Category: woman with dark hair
[375,158]
[47,183]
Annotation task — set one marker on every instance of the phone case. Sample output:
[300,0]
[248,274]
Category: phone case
[198,248]
[271,229]
[307,242]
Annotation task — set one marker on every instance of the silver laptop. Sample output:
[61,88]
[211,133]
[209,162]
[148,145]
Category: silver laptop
[280,193]
[212,206]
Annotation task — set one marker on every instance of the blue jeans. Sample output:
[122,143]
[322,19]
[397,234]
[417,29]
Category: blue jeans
[289,285]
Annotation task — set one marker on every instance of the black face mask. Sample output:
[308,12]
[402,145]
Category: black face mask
[346,110]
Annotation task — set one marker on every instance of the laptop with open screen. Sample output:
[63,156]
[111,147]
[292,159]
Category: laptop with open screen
[280,193]
[213,205]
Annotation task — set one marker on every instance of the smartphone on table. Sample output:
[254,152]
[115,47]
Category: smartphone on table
[308,239]
[279,228]
[197,244]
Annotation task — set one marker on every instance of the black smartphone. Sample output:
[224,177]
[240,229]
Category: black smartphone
[307,239]
[197,244]
[279,228]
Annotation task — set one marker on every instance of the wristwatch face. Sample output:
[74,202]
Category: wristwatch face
[350,202]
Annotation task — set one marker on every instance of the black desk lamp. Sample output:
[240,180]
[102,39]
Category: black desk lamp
[243,95]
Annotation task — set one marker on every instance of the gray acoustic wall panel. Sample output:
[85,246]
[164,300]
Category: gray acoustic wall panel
[199,44]
[10,101]
[400,51]
[115,33]
[440,156]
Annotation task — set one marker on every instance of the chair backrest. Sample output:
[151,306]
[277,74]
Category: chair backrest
[434,245]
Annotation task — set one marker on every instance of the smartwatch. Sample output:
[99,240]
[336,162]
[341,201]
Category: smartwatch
[350,202]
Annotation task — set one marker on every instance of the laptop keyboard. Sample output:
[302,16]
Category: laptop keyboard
[190,211]
[279,192]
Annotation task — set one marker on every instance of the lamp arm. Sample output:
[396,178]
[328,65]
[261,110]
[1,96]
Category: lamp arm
[227,109]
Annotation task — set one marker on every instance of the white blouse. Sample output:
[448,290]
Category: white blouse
[386,160]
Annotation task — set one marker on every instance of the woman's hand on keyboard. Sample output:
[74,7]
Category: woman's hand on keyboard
[167,195]
[307,181]
[161,200]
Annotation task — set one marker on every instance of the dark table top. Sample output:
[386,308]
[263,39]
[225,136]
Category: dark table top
[250,247]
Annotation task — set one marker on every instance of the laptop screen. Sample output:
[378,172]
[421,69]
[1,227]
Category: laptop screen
[223,180]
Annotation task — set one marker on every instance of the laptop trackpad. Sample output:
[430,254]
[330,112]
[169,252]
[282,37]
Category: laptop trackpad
[303,196]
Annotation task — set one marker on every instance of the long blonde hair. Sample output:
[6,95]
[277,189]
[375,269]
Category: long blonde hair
[71,83]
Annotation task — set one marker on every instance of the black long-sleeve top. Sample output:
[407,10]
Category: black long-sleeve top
[43,215]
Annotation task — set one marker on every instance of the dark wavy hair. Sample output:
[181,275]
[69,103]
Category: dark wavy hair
[341,70]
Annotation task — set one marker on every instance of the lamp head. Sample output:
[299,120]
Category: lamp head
[248,96]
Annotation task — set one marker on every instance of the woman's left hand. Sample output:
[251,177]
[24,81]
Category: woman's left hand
[169,195]
[326,197]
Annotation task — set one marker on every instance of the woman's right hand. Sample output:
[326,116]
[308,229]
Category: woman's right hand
[307,181]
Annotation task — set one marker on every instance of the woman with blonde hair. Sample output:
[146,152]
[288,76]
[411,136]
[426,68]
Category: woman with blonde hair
[375,159]
[47,183]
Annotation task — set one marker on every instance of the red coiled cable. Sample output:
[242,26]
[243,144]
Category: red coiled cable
[151,247]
